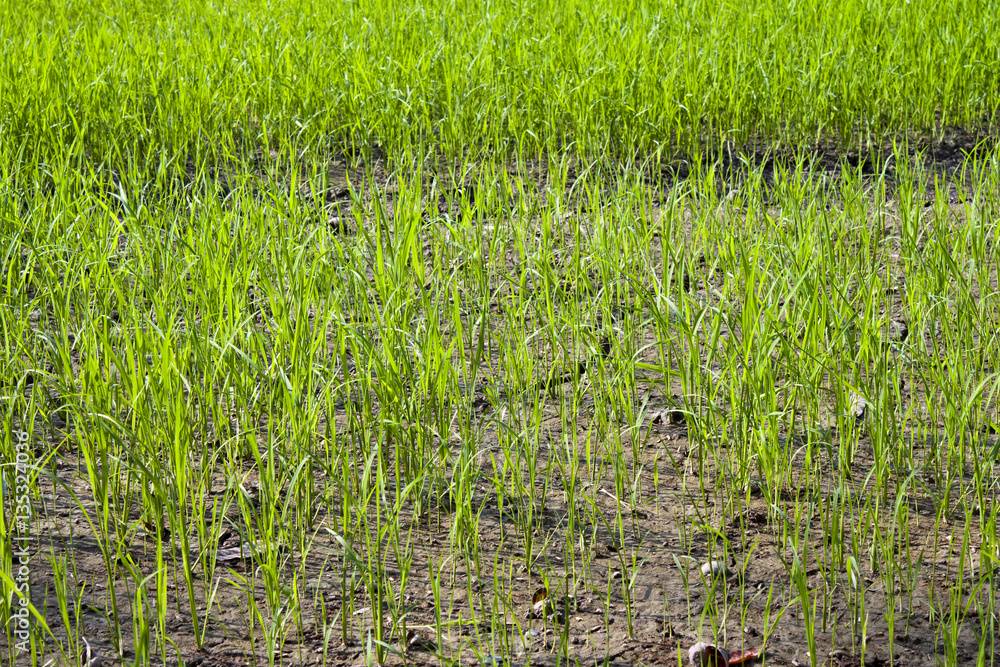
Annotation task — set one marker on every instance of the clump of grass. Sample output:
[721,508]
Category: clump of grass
[168,92]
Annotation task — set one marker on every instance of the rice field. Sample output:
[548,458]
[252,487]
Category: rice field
[530,333]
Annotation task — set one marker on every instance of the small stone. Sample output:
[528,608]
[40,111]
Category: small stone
[857,407]
[708,655]
[417,642]
[714,569]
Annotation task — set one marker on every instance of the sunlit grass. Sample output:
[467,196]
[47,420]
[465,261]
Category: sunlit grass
[357,325]
[163,86]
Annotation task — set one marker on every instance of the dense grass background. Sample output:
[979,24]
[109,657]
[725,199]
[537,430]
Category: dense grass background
[222,326]
[144,80]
